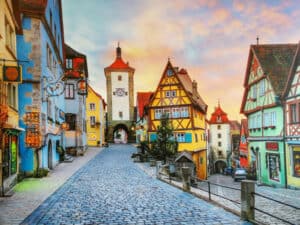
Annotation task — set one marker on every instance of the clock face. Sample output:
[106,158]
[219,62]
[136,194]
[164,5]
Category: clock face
[120,91]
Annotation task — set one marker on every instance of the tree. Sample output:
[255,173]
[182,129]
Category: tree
[165,145]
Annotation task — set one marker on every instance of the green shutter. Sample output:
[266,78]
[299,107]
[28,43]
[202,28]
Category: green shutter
[153,137]
[188,137]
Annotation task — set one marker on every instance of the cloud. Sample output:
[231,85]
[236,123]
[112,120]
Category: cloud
[209,38]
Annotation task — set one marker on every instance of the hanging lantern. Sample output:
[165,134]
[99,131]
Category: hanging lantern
[82,87]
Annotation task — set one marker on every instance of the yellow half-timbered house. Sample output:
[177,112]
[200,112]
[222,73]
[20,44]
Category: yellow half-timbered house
[177,96]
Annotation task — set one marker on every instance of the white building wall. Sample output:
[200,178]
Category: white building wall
[120,103]
[225,137]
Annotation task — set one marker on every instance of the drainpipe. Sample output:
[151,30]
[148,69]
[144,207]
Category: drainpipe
[284,145]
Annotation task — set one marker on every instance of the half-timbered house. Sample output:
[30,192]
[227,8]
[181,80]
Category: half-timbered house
[292,124]
[266,75]
[176,96]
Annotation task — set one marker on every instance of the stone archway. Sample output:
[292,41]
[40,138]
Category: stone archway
[50,163]
[220,165]
[120,134]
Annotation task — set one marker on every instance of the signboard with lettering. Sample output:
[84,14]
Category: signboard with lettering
[33,134]
[273,146]
[12,74]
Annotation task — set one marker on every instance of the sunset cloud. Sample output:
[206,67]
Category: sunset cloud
[209,38]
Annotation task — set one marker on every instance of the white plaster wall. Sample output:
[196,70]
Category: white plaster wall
[120,104]
[225,137]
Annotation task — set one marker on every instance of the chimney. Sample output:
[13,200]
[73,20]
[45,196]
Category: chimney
[195,92]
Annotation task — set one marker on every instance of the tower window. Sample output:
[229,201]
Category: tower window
[120,114]
[219,135]
[219,143]
[119,78]
[219,127]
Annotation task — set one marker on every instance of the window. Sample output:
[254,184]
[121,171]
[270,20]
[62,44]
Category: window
[258,121]
[69,63]
[170,72]
[119,78]
[49,57]
[296,161]
[157,114]
[121,114]
[262,88]
[196,138]
[219,119]
[293,113]
[12,95]
[92,106]
[220,144]
[92,121]
[266,120]
[69,91]
[219,127]
[274,166]
[9,36]
[180,137]
[170,94]
[71,120]
[219,153]
[184,112]
[49,110]
[166,112]
[273,118]
[175,112]
[254,91]
[219,136]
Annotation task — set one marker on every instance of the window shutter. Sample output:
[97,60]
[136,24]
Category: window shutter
[188,137]
[153,137]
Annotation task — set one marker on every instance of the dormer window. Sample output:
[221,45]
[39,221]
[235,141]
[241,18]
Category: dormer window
[219,119]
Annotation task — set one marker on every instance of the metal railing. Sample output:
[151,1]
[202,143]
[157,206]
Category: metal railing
[277,201]
[211,193]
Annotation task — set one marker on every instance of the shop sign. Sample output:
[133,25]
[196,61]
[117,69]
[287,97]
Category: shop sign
[272,146]
[12,74]
[82,87]
[33,137]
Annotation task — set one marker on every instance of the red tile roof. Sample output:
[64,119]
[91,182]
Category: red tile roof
[119,64]
[218,113]
[186,81]
[235,125]
[143,99]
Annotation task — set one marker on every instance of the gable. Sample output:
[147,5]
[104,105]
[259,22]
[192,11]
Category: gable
[255,72]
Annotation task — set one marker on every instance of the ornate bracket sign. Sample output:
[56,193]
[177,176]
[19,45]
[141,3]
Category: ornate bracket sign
[12,74]
[82,87]
[55,88]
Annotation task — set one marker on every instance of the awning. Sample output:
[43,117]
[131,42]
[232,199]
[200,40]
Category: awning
[13,130]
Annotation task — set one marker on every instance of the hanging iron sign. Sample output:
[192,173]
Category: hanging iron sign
[82,87]
[55,88]
[12,74]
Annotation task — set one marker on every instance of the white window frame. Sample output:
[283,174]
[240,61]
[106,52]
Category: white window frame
[262,87]
[69,92]
[69,63]
[92,121]
[157,113]
[92,106]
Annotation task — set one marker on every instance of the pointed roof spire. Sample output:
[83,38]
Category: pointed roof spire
[119,51]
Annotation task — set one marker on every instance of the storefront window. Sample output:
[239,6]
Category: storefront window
[296,160]
[274,166]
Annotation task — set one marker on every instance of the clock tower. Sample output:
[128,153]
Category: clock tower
[120,109]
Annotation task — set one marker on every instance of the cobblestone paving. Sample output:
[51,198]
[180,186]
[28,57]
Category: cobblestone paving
[111,189]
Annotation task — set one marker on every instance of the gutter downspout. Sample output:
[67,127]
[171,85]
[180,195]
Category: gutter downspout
[284,145]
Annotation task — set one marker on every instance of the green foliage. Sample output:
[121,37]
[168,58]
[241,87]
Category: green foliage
[165,145]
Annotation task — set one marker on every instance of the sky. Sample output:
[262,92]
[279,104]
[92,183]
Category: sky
[209,38]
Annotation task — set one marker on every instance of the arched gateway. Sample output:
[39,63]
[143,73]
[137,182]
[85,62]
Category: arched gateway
[120,102]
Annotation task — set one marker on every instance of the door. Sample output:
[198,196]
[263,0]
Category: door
[50,166]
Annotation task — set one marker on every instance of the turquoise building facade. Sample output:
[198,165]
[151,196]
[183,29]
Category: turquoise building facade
[263,104]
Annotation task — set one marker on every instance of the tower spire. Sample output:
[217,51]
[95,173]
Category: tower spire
[119,52]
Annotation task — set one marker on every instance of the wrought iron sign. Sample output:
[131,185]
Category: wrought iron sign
[55,88]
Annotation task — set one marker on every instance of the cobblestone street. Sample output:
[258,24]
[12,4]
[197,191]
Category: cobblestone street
[111,189]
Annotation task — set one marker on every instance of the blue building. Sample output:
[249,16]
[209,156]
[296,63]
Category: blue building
[41,99]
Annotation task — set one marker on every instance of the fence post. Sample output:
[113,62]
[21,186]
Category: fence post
[247,200]
[158,165]
[209,196]
[186,180]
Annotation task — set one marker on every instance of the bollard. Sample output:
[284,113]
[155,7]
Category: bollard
[186,179]
[247,200]
[158,166]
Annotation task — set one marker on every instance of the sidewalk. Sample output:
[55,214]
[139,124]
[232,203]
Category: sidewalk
[288,196]
[31,192]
